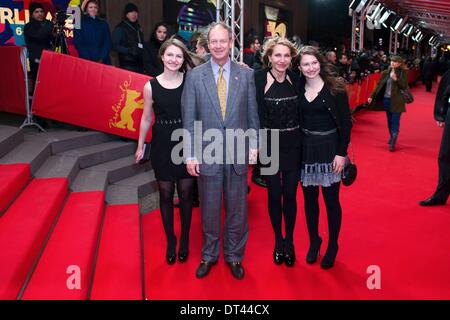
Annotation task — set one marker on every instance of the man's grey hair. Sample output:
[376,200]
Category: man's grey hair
[220,24]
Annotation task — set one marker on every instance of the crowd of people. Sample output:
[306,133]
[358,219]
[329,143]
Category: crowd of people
[296,91]
[93,41]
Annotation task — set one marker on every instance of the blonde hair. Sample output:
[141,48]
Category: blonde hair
[270,44]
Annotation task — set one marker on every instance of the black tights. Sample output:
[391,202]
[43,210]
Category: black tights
[334,212]
[282,196]
[166,192]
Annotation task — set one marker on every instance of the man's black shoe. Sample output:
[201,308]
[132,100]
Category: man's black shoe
[236,270]
[203,269]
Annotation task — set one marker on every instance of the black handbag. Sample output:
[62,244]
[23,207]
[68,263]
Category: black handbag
[350,171]
[407,95]
[146,156]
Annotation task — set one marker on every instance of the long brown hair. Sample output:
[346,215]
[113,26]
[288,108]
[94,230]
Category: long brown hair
[173,41]
[329,75]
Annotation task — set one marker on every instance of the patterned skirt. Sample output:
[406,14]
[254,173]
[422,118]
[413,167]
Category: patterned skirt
[318,153]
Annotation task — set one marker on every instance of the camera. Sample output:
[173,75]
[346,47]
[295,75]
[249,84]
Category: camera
[60,43]
[61,17]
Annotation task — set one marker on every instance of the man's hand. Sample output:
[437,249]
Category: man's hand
[252,156]
[369,101]
[440,123]
[193,167]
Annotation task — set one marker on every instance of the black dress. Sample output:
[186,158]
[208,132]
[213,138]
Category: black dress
[320,143]
[167,110]
[282,114]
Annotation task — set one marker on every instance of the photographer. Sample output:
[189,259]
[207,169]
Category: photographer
[38,36]
[128,40]
[93,40]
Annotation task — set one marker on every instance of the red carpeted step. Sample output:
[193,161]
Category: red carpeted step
[13,178]
[118,272]
[65,268]
[23,229]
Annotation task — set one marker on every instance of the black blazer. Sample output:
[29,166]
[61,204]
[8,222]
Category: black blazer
[260,85]
[339,109]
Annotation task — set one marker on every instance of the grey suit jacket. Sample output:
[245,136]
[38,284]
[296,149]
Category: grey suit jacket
[200,102]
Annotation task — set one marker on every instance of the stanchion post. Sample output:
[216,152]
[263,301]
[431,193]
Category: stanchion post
[29,120]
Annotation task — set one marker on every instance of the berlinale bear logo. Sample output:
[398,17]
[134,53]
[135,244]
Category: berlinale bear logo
[123,112]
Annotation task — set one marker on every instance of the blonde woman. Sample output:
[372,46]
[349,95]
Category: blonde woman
[277,97]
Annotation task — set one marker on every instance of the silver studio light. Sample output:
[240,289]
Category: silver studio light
[409,31]
[397,23]
[357,5]
[405,27]
[430,42]
[385,15]
[373,16]
[390,19]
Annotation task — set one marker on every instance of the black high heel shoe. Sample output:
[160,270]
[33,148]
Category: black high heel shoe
[182,256]
[278,257]
[183,250]
[329,258]
[289,259]
[313,252]
[171,256]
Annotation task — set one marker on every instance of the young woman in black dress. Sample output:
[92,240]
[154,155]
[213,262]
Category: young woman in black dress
[326,125]
[277,96]
[162,96]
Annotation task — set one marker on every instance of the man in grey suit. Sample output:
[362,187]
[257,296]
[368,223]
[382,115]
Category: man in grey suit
[219,96]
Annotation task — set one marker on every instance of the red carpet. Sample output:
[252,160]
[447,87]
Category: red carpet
[13,179]
[118,272]
[72,244]
[23,229]
[382,225]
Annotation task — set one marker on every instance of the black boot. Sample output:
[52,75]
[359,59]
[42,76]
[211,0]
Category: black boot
[393,141]
[330,256]
[313,252]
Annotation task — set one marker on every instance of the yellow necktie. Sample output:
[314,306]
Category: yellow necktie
[222,92]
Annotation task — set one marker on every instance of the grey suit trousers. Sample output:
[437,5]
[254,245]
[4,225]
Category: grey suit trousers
[233,187]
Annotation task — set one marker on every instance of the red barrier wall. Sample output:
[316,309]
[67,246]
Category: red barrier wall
[13,96]
[89,94]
